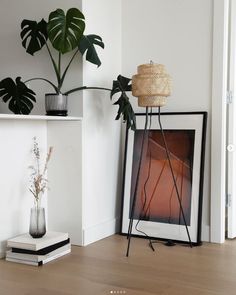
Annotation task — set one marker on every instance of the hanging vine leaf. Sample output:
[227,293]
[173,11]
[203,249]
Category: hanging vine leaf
[87,43]
[20,97]
[122,84]
[34,35]
[65,31]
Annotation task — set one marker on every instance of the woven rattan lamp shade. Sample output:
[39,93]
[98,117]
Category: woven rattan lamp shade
[151,85]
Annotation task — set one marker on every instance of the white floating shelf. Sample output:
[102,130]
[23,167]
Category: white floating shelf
[38,117]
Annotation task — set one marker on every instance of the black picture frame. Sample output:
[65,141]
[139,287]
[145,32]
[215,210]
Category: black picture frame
[163,230]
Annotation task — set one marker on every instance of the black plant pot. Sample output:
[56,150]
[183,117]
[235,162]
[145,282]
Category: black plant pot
[56,104]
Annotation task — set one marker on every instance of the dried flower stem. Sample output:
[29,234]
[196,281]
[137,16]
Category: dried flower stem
[38,179]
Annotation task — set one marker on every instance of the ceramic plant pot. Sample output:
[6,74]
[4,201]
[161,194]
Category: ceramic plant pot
[56,104]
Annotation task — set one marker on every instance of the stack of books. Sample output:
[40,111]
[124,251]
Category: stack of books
[24,249]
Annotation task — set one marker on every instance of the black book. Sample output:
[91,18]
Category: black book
[42,251]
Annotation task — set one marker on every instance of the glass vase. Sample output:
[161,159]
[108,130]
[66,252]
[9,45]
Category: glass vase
[37,227]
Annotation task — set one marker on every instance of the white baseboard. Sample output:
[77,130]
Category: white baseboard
[108,228]
[205,233]
[100,231]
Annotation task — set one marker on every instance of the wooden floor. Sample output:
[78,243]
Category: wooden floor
[102,268]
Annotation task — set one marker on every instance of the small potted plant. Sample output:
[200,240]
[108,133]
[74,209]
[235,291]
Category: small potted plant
[38,186]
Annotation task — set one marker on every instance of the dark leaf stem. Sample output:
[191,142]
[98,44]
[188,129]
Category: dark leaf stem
[66,69]
[54,65]
[54,86]
[59,65]
[85,88]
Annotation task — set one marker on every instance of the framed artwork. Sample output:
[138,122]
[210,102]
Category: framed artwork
[157,212]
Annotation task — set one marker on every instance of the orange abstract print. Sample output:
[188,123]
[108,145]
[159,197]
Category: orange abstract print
[157,200]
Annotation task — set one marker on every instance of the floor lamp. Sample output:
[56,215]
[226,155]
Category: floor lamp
[152,86]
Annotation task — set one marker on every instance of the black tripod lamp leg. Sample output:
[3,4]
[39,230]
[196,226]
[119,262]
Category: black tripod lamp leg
[173,176]
[136,186]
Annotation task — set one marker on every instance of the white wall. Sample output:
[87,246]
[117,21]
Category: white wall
[179,35]
[101,141]
[15,157]
[65,179]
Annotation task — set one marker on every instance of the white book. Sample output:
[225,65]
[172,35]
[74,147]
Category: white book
[56,256]
[38,262]
[37,258]
[26,242]
[24,261]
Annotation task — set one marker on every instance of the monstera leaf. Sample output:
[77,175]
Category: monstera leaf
[65,31]
[126,111]
[122,84]
[20,97]
[87,44]
[34,35]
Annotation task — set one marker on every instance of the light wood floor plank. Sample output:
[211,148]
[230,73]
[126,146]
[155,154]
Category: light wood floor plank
[102,269]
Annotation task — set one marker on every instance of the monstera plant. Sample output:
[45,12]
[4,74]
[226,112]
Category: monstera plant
[62,33]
